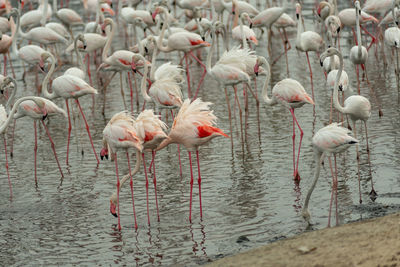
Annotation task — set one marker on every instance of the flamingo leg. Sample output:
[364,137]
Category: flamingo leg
[312,85]
[188,76]
[8,173]
[179,149]
[53,148]
[332,192]
[373,37]
[131,185]
[294,145]
[373,193]
[358,79]
[297,176]
[122,89]
[155,182]
[336,192]
[118,188]
[69,130]
[12,139]
[35,152]
[287,48]
[147,189]
[284,45]
[199,183]
[358,161]
[11,66]
[88,130]
[202,76]
[230,115]
[131,90]
[5,65]
[240,117]
[191,186]
[105,90]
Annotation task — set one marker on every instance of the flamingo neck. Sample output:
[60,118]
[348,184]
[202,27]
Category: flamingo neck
[11,98]
[358,33]
[161,37]
[4,126]
[210,52]
[244,42]
[144,79]
[46,80]
[14,36]
[153,64]
[113,197]
[300,30]
[318,156]
[78,54]
[46,5]
[109,41]
[336,86]
[264,92]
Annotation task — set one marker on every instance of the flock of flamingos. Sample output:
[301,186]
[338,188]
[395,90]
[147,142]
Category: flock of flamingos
[37,42]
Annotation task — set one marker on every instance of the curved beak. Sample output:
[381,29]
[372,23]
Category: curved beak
[256,69]
[113,209]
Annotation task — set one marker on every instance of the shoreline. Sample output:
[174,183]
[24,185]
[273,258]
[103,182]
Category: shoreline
[373,242]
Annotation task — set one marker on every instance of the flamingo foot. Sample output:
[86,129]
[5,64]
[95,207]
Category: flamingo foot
[373,195]
[297,177]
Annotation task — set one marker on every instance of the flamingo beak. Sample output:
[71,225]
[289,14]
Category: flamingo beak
[104,154]
[146,50]
[44,114]
[41,64]
[110,11]
[133,65]
[319,11]
[22,4]
[233,10]
[154,15]
[113,209]
[256,68]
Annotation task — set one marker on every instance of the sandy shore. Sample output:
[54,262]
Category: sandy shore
[374,242]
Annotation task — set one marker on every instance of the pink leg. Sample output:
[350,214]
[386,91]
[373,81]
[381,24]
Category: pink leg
[8,173]
[358,161]
[147,189]
[53,148]
[373,37]
[131,185]
[202,76]
[358,78]
[199,182]
[88,131]
[312,86]
[5,64]
[179,150]
[373,193]
[294,146]
[332,193]
[336,193]
[297,176]
[191,186]
[35,152]
[69,130]
[12,139]
[155,182]
[130,86]
[118,184]
[188,76]
[151,164]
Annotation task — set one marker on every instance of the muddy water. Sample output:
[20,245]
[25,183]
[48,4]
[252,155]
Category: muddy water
[249,197]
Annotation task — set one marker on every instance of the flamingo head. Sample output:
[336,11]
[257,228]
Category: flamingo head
[43,58]
[1,35]
[22,2]
[81,38]
[107,8]
[331,51]
[113,209]
[107,21]
[42,106]
[233,8]
[104,153]
[133,65]
[158,10]
[298,10]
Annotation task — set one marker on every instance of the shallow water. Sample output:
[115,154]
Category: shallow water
[249,197]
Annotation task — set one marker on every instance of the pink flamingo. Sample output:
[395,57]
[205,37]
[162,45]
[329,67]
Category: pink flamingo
[331,139]
[291,94]
[6,119]
[185,42]
[307,41]
[68,86]
[121,133]
[193,127]
[6,42]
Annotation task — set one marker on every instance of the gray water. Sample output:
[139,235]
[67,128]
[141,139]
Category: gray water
[249,196]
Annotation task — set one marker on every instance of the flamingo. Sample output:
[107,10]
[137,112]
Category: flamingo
[192,127]
[185,42]
[5,120]
[36,17]
[240,7]
[265,19]
[307,41]
[392,39]
[350,16]
[121,133]
[331,139]
[377,6]
[6,42]
[68,86]
[68,17]
[291,94]
[243,33]
[75,71]
[151,131]
[358,53]
[94,26]
[357,107]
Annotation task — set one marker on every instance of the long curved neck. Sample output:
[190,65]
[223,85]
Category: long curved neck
[11,98]
[20,32]
[336,12]
[161,37]
[300,29]
[318,156]
[144,80]
[126,177]
[108,43]
[153,63]
[395,21]
[45,87]
[236,17]
[225,4]
[78,54]
[46,5]
[264,92]
[98,11]
[358,32]
[14,39]
[336,86]
[226,40]
[210,52]
[244,42]
[4,126]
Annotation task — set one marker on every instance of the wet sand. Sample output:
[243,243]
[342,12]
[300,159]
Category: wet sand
[374,242]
